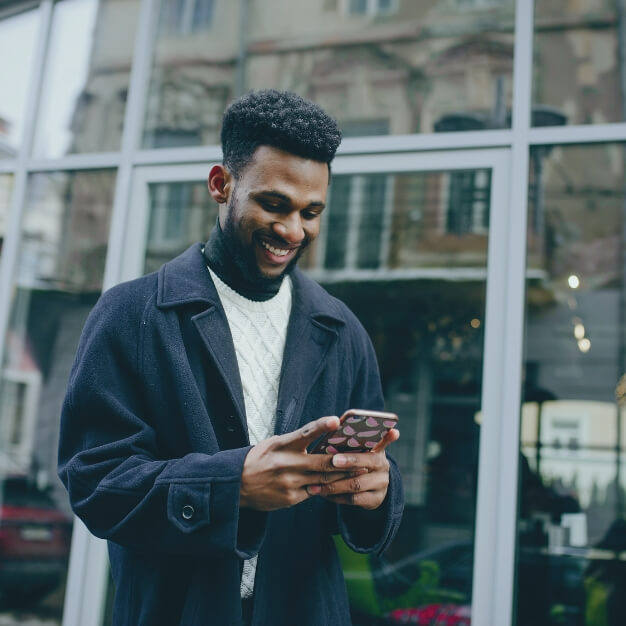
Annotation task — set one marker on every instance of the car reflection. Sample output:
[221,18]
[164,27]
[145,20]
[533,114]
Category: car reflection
[34,543]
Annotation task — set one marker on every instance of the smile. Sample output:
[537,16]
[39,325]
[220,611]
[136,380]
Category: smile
[276,251]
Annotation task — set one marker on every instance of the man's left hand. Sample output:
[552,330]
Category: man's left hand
[367,487]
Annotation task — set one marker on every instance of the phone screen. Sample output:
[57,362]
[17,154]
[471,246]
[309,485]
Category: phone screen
[359,431]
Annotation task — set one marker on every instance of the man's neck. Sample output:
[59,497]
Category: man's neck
[220,259]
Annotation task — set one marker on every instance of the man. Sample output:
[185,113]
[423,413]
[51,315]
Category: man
[197,390]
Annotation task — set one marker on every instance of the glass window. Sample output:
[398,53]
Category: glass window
[193,75]
[179,214]
[571,566]
[390,67]
[86,77]
[6,184]
[578,56]
[405,222]
[18,34]
[60,268]
[186,16]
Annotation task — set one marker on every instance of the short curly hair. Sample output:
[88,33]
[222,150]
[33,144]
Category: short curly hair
[281,119]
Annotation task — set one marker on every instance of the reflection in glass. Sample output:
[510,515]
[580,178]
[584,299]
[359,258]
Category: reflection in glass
[180,214]
[6,185]
[428,336]
[60,268]
[405,221]
[86,77]
[571,533]
[193,72]
[17,41]
[390,67]
[578,57]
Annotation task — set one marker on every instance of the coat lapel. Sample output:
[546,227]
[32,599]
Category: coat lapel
[186,280]
[215,332]
[312,331]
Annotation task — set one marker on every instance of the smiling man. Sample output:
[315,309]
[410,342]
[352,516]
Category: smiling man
[197,391]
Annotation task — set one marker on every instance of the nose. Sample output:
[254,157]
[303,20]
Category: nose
[289,227]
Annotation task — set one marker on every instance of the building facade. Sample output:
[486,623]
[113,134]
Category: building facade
[476,224]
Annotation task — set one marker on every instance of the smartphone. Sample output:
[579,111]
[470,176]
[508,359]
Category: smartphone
[359,431]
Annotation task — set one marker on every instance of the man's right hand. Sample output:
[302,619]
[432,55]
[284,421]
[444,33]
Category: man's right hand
[279,473]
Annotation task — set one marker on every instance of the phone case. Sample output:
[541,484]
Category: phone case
[359,431]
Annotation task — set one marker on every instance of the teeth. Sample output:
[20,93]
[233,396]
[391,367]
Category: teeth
[273,250]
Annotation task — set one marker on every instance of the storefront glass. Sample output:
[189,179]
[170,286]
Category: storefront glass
[572,534]
[392,67]
[379,67]
[578,62]
[86,77]
[60,268]
[18,32]
[194,72]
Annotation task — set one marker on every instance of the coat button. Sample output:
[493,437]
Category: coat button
[230,423]
[188,511]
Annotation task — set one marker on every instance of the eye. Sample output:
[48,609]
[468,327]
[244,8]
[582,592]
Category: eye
[269,206]
[310,215]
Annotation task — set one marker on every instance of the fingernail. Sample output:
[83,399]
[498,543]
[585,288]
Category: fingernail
[313,490]
[339,460]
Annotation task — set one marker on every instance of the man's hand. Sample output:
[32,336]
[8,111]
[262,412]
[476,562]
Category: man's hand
[367,486]
[278,472]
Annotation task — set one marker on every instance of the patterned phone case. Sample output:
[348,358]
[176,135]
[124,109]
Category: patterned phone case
[359,431]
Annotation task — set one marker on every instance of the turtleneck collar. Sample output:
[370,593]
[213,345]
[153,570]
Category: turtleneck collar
[220,258]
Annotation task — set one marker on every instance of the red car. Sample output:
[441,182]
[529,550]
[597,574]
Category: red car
[34,542]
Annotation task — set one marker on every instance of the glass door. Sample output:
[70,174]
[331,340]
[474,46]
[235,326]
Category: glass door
[406,242]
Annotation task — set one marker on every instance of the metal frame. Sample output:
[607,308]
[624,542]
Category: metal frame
[497,489]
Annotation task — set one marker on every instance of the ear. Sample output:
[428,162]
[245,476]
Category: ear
[219,183]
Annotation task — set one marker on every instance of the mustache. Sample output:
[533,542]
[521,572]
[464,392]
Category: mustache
[279,242]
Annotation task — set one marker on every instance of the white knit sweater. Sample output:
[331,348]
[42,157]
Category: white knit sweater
[259,331]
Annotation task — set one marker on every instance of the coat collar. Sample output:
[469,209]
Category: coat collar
[313,327]
[186,280]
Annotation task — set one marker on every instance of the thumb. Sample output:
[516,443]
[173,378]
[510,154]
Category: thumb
[299,439]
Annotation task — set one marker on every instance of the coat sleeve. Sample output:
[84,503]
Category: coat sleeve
[119,483]
[361,529]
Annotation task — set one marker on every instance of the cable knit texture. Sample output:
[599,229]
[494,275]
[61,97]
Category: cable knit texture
[259,330]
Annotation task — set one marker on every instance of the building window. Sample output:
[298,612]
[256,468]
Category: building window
[468,202]
[481,4]
[371,7]
[181,17]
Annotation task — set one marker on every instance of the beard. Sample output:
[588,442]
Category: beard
[243,255]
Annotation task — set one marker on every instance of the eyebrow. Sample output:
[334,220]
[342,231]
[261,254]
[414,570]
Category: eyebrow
[271,193]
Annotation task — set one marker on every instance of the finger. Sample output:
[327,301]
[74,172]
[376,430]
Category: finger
[365,499]
[351,461]
[370,481]
[301,438]
[324,478]
[391,436]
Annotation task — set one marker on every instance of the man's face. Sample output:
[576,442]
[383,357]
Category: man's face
[273,211]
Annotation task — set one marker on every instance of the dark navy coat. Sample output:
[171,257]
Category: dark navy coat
[153,440]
